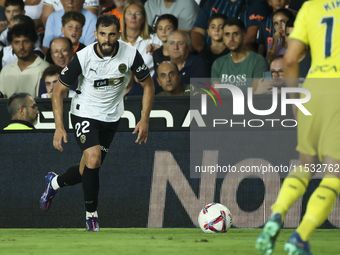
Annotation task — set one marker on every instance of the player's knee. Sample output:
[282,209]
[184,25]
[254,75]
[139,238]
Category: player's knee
[93,160]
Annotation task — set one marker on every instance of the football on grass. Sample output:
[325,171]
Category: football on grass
[215,218]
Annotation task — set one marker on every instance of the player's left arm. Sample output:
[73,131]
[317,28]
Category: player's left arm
[291,67]
[142,126]
[291,62]
[141,71]
[298,40]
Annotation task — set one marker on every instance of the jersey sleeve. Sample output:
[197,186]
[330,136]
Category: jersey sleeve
[300,25]
[139,68]
[71,72]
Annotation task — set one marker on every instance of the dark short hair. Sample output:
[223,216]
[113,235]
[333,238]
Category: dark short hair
[285,12]
[51,70]
[19,3]
[235,22]
[276,58]
[76,16]
[217,16]
[22,30]
[16,101]
[171,18]
[23,19]
[290,23]
[68,40]
[107,20]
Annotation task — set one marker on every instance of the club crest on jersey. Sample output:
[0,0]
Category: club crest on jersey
[64,70]
[83,138]
[122,68]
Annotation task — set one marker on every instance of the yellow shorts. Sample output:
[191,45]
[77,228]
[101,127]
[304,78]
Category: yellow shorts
[319,133]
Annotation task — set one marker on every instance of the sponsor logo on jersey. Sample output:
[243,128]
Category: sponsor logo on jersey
[93,70]
[141,68]
[64,70]
[325,69]
[122,68]
[101,83]
[116,81]
[108,82]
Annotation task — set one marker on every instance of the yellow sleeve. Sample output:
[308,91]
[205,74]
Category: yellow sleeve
[300,31]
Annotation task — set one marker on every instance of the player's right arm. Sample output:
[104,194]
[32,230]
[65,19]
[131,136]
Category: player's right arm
[66,78]
[59,93]
[298,40]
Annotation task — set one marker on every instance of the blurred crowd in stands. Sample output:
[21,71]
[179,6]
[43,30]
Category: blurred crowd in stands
[238,42]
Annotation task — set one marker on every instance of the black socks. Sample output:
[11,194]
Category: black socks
[90,183]
[70,177]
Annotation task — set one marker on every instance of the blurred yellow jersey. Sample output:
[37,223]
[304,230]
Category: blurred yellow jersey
[318,25]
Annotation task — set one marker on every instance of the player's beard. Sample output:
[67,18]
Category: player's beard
[108,52]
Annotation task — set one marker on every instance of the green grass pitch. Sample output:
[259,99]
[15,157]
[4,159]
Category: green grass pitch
[164,241]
